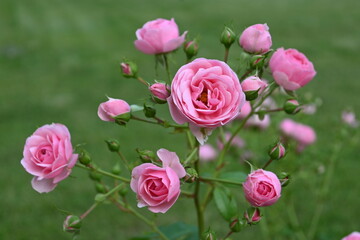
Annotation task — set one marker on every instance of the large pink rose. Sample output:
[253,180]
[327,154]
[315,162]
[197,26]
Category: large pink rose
[207,94]
[158,188]
[352,236]
[159,36]
[291,69]
[304,135]
[48,155]
[262,188]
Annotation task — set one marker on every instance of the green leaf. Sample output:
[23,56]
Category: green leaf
[225,202]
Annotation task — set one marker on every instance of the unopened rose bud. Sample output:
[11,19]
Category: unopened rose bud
[252,87]
[227,37]
[191,175]
[116,169]
[284,178]
[277,152]
[84,157]
[237,225]
[114,110]
[252,215]
[129,69]
[72,224]
[146,156]
[149,110]
[160,92]
[95,176]
[292,106]
[257,61]
[209,235]
[256,39]
[113,145]
[191,48]
[100,188]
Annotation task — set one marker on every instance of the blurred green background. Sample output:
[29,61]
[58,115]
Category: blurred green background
[59,59]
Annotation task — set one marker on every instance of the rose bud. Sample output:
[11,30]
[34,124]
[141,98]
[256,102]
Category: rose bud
[191,175]
[95,176]
[129,69]
[160,92]
[158,188]
[349,118]
[291,69]
[100,188]
[149,110]
[114,110]
[352,236]
[197,96]
[292,106]
[284,178]
[116,169]
[262,188]
[159,36]
[72,224]
[84,157]
[209,235]
[227,37]
[252,215]
[252,87]
[146,156]
[113,145]
[277,152]
[237,225]
[191,48]
[256,39]
[207,153]
[48,156]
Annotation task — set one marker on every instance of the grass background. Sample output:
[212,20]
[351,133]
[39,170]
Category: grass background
[60,58]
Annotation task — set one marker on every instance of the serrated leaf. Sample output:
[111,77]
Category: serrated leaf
[225,202]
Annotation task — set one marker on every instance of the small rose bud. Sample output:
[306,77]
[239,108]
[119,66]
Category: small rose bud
[146,156]
[72,224]
[149,110]
[191,48]
[209,235]
[100,188]
[257,61]
[237,225]
[160,92]
[116,169]
[256,39]
[252,215]
[113,145]
[252,87]
[292,106]
[114,110]
[191,175]
[84,157]
[277,152]
[284,178]
[227,37]
[95,176]
[129,69]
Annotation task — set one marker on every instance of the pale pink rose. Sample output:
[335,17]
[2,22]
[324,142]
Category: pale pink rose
[158,188]
[256,39]
[253,83]
[245,110]
[291,69]
[254,121]
[352,236]
[159,36]
[160,91]
[262,188]
[237,141]
[207,153]
[48,155]
[304,135]
[349,118]
[112,108]
[207,94]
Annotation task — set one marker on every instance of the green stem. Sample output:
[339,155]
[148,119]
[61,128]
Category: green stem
[123,158]
[199,209]
[84,215]
[141,80]
[167,68]
[89,167]
[209,179]
[162,123]
[190,139]
[226,57]
[267,163]
[191,156]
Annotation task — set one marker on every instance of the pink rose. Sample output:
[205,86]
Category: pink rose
[108,110]
[352,236]
[291,69]
[48,155]
[245,110]
[301,133]
[256,39]
[262,188]
[160,91]
[159,36]
[207,153]
[158,188]
[207,94]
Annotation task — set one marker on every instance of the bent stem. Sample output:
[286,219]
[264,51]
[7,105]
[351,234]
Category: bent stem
[105,173]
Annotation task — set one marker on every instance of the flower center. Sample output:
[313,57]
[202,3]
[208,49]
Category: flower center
[203,97]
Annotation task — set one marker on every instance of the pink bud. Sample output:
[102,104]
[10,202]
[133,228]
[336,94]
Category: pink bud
[277,151]
[129,69]
[108,110]
[256,39]
[160,91]
[253,84]
[252,215]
